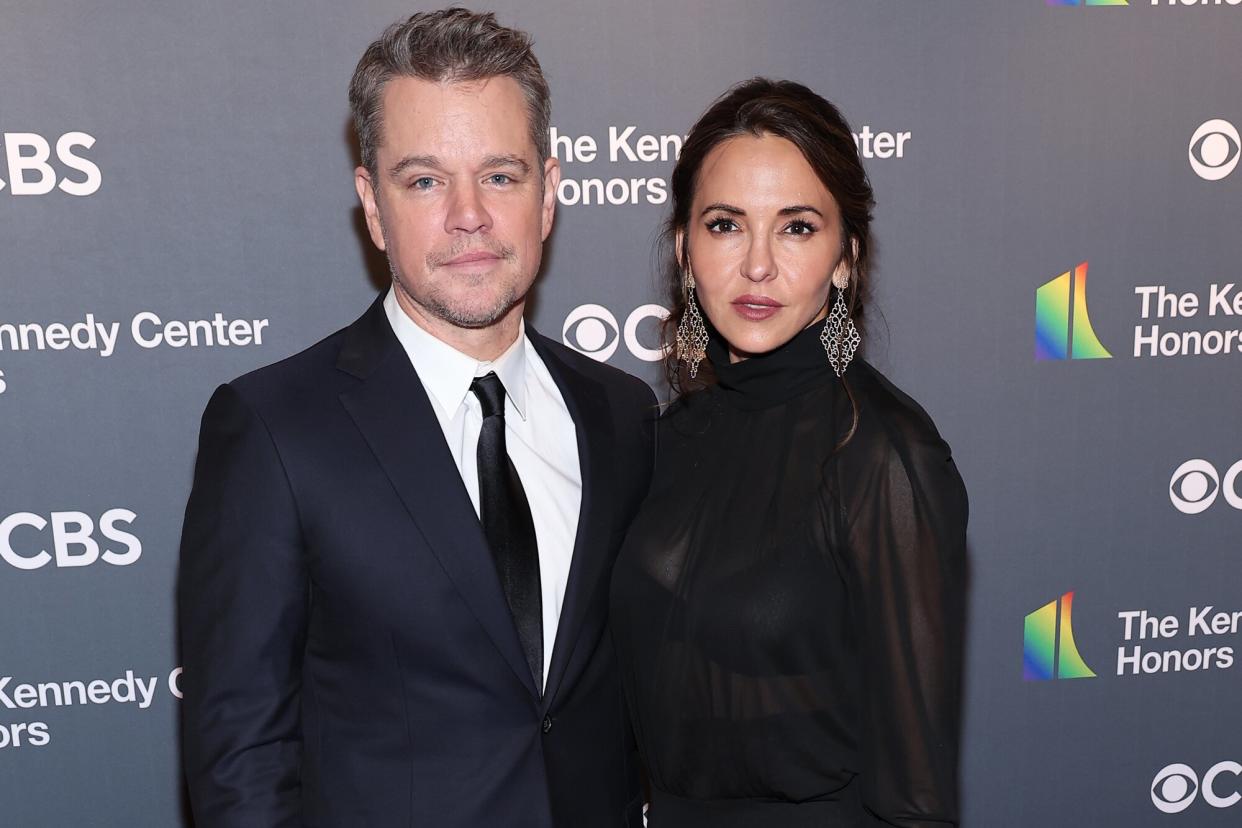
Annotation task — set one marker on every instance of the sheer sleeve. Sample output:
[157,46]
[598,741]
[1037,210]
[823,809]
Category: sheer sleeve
[906,513]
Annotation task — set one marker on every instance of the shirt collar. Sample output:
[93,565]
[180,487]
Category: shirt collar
[446,372]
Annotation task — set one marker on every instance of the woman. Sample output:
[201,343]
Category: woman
[788,605]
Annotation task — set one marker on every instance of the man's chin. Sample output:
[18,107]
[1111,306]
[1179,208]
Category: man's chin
[476,316]
[474,323]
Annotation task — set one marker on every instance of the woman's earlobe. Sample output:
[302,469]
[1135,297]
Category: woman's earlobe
[841,276]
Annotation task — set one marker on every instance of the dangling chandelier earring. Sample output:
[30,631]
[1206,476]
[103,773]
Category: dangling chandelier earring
[840,337]
[691,333]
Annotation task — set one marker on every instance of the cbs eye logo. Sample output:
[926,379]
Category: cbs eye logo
[1214,149]
[593,330]
[1195,485]
[1176,787]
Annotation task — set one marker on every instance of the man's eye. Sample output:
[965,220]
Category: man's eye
[500,178]
[721,225]
[425,182]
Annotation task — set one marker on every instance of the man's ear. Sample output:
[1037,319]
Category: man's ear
[366,195]
[551,183]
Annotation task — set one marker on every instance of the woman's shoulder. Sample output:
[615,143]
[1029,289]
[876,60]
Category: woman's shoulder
[898,469]
[690,407]
[892,425]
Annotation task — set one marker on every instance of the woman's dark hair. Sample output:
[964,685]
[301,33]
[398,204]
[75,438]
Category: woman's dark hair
[786,110]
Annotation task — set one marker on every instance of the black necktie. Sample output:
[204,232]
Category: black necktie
[507,523]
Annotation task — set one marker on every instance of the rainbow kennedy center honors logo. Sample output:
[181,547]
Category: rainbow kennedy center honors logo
[1153,2]
[1049,650]
[1062,326]
[1063,329]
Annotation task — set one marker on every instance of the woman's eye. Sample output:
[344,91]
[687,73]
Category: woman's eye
[721,225]
[800,228]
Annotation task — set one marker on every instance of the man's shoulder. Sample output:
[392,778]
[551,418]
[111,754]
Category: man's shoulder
[308,366]
[300,382]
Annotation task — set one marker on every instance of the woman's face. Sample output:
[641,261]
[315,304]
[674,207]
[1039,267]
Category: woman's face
[765,238]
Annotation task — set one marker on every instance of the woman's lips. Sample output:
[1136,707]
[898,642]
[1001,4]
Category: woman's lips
[756,308]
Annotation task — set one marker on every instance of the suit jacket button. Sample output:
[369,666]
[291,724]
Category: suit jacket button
[547,724]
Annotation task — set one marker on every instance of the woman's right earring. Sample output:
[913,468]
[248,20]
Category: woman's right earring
[691,332]
[840,336]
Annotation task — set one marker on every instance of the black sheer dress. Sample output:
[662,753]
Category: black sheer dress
[789,616]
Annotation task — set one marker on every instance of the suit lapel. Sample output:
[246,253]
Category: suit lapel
[394,414]
[587,404]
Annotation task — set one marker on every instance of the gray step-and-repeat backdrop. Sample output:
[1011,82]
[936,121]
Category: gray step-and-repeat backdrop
[177,208]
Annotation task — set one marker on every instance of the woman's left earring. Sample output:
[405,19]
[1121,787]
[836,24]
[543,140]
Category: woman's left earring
[691,333]
[840,336]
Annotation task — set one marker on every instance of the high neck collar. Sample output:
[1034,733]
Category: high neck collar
[775,377]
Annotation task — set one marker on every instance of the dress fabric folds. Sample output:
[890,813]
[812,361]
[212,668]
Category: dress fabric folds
[788,612]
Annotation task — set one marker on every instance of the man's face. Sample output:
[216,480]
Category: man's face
[460,201]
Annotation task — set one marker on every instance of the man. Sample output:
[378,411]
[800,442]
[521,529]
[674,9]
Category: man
[396,554]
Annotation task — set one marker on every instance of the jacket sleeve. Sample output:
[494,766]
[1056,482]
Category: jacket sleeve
[242,595]
[908,535]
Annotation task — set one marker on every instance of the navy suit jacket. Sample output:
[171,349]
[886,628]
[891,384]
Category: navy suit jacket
[349,658]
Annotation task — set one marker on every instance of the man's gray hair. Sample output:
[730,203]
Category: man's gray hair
[450,45]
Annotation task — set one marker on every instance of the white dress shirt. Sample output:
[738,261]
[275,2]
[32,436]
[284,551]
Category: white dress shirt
[539,435]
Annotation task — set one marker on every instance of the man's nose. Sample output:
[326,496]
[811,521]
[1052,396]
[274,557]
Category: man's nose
[466,212]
